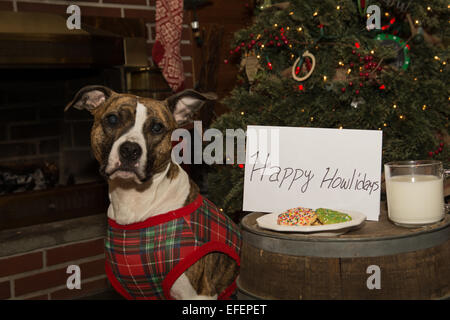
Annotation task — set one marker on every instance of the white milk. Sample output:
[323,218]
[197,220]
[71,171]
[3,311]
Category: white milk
[415,199]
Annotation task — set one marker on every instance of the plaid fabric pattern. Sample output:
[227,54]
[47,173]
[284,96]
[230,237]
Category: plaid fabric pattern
[141,259]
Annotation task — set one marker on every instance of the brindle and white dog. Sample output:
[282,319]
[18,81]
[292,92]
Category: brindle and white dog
[131,139]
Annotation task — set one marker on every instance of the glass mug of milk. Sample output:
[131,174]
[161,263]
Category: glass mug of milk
[415,192]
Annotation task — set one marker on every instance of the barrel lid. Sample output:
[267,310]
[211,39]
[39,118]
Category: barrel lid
[370,239]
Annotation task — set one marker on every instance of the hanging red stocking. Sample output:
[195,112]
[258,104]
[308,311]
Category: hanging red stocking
[166,50]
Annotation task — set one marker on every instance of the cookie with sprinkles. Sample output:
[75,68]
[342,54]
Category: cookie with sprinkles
[297,217]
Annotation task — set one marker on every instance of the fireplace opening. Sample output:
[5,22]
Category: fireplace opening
[47,170]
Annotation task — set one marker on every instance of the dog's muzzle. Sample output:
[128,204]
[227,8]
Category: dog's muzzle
[129,157]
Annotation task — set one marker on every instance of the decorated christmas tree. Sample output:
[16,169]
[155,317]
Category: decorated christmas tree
[334,64]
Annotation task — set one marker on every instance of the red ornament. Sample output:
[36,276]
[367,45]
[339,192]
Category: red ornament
[278,44]
[353,51]
[343,90]
[300,87]
[241,166]
[351,64]
[379,68]
[357,45]
[276,38]
[350,84]
[269,65]
[440,150]
[382,87]
[357,91]
[361,74]
[436,152]
[251,35]
[225,61]
[242,44]
[249,46]
[361,84]
[430,154]
[253,42]
[297,70]
[441,144]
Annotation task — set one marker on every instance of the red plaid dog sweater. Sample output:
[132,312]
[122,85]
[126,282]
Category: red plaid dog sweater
[144,259]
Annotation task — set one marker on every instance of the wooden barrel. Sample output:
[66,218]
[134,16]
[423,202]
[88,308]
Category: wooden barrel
[413,263]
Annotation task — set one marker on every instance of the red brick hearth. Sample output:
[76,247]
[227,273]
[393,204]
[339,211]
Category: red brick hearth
[35,259]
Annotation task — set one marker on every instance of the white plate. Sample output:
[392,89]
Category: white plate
[269,221]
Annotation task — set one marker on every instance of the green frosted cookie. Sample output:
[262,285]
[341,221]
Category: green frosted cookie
[328,216]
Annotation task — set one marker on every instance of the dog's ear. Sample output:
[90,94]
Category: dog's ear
[90,98]
[185,104]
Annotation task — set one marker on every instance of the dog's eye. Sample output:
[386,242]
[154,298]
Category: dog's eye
[112,119]
[157,127]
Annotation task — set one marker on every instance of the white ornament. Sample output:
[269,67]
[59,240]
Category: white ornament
[355,103]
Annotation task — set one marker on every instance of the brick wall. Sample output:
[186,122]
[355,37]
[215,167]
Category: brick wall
[141,9]
[41,274]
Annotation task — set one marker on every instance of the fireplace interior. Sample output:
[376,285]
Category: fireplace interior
[47,170]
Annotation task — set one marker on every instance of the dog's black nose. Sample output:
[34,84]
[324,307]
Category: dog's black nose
[130,151]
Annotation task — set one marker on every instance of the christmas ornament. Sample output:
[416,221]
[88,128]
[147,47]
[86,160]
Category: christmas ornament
[356,102]
[299,62]
[362,6]
[268,4]
[390,24]
[419,34]
[251,65]
[402,60]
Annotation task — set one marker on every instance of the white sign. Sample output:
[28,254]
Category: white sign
[314,168]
